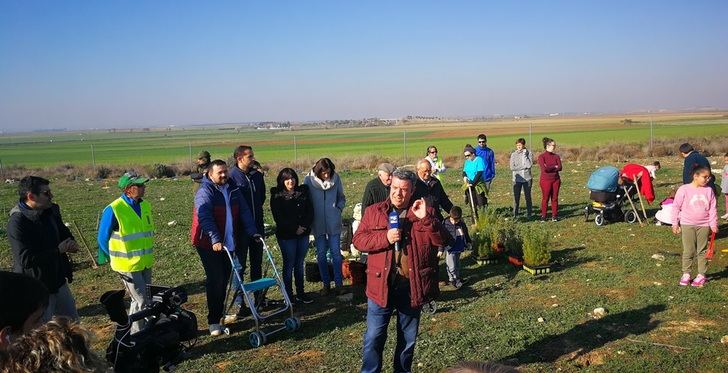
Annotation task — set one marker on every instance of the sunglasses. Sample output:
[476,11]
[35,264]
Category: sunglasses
[433,152]
[481,141]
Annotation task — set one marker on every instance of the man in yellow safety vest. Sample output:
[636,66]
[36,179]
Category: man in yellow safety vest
[126,237]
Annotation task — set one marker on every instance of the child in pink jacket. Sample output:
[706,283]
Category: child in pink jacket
[695,215]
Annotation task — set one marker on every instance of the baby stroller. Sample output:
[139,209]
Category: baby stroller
[259,337]
[608,196]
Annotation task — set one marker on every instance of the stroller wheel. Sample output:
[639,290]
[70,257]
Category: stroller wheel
[256,339]
[292,324]
[599,219]
[630,217]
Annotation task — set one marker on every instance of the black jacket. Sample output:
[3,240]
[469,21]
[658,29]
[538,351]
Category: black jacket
[34,237]
[374,192]
[291,211]
[252,185]
[434,194]
[693,160]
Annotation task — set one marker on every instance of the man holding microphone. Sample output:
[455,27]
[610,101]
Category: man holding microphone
[401,236]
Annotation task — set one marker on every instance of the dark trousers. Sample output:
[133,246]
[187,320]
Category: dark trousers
[550,190]
[217,272]
[250,249]
[526,186]
[408,321]
[479,199]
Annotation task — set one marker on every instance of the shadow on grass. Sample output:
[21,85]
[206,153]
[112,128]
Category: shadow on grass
[324,315]
[586,337]
[567,258]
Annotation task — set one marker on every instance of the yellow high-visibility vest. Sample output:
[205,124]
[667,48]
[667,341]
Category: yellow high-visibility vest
[130,248]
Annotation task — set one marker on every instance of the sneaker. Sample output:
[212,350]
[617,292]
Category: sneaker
[724,217]
[543,219]
[303,298]
[685,279]
[457,284]
[229,319]
[554,219]
[699,281]
[215,330]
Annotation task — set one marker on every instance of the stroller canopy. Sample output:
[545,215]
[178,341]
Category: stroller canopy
[604,179]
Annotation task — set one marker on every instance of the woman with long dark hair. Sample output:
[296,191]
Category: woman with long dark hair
[293,214]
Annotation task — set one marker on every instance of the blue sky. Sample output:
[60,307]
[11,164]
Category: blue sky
[83,64]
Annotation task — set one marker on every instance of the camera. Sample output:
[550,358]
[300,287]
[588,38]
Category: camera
[169,331]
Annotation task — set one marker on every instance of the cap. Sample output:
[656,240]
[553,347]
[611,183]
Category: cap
[469,149]
[203,154]
[386,167]
[131,178]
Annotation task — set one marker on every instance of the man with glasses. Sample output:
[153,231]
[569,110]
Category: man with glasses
[39,242]
[126,236]
[486,153]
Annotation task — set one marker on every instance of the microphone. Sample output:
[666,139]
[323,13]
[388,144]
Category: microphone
[394,224]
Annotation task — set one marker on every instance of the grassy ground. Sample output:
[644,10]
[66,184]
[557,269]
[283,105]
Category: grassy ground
[495,317]
[159,146]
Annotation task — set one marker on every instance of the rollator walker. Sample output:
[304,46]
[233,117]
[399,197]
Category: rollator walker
[259,337]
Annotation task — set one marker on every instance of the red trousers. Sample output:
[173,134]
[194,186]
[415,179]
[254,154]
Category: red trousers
[550,189]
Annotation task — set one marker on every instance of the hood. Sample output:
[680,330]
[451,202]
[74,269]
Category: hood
[29,213]
[319,184]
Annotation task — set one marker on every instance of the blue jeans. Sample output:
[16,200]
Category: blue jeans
[293,252]
[408,321]
[325,243]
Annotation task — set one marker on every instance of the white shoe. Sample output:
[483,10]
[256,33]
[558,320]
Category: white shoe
[215,330]
[724,217]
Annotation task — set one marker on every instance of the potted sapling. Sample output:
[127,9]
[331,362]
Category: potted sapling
[483,246]
[536,253]
[514,247]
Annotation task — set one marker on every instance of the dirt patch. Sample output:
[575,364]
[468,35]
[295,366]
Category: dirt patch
[223,365]
[688,326]
[306,358]
[593,358]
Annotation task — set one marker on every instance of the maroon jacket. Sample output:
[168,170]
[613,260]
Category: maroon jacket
[424,238]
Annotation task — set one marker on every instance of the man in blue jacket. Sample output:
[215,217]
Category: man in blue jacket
[488,156]
[221,220]
[249,179]
[693,159]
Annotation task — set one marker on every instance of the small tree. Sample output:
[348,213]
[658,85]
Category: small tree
[482,244]
[536,242]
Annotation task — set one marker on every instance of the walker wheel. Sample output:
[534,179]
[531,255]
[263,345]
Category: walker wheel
[256,339]
[630,217]
[226,331]
[292,324]
[599,220]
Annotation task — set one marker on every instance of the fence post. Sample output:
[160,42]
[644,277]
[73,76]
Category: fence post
[189,144]
[93,157]
[404,144]
[295,150]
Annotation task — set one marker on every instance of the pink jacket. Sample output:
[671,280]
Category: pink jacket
[695,206]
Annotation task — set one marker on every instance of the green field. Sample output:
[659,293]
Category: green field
[175,146]
[652,324]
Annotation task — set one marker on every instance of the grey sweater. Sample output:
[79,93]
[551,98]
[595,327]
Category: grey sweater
[521,162]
